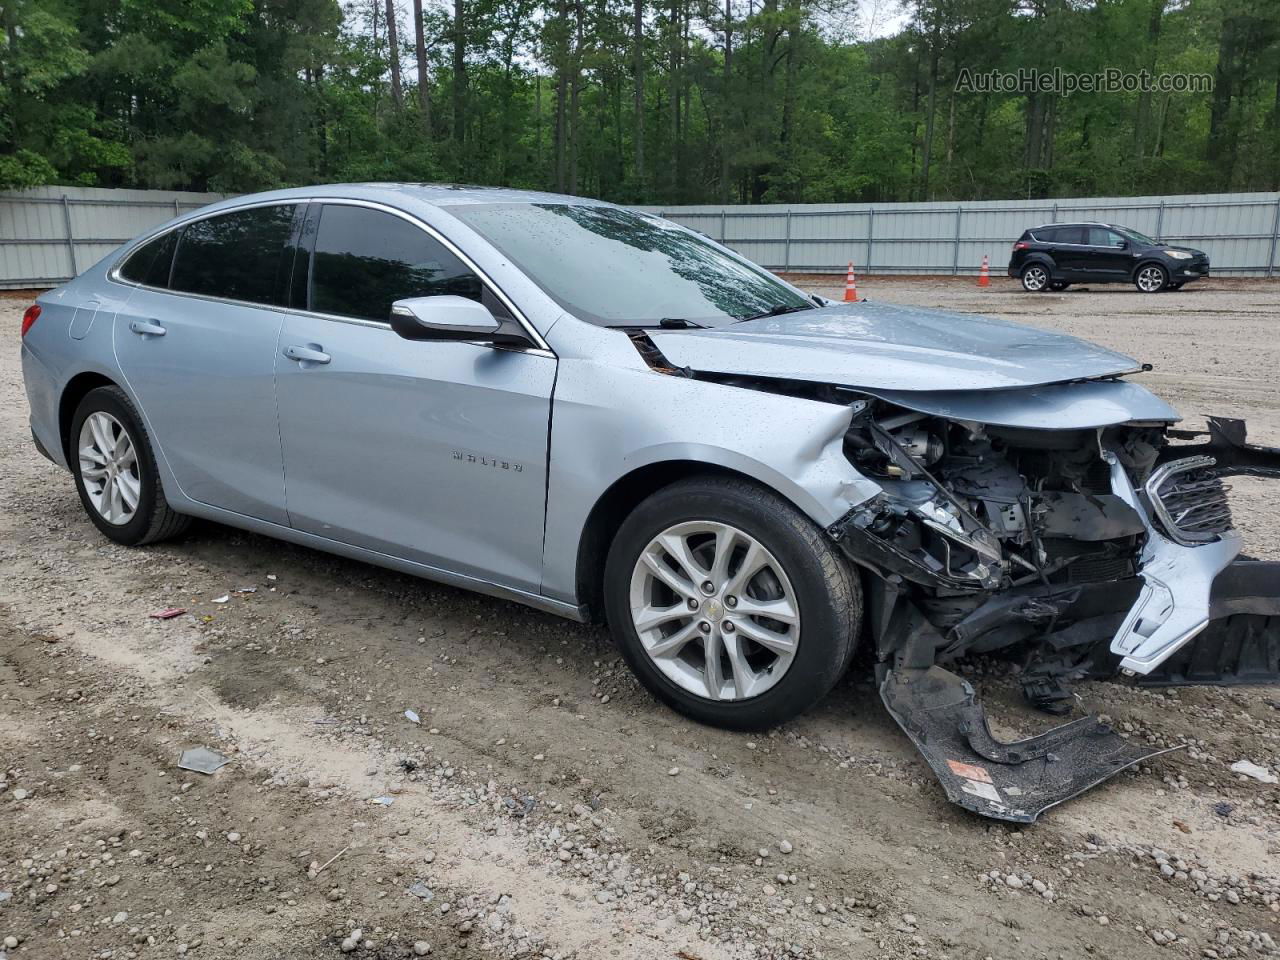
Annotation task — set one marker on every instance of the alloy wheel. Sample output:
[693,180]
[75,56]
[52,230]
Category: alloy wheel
[1035,279]
[714,610]
[1150,279]
[109,468]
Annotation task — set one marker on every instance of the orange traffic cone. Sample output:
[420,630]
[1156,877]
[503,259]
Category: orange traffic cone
[850,286]
[984,275]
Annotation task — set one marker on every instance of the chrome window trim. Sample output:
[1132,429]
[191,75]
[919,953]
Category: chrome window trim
[540,345]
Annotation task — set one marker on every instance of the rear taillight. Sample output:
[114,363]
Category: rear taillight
[1021,245]
[30,317]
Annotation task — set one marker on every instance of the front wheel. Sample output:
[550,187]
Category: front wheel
[1151,278]
[729,604]
[1035,278]
[115,471]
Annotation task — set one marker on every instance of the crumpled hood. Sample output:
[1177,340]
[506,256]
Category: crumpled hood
[886,346]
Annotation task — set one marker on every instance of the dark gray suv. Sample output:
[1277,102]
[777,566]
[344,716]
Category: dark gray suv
[1056,255]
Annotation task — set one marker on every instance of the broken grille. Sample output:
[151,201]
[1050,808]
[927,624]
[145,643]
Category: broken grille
[1190,500]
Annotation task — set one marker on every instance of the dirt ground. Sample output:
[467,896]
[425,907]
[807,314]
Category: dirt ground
[545,806]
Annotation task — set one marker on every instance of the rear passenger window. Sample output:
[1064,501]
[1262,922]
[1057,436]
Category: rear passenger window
[365,260]
[235,255]
[150,263]
[1070,235]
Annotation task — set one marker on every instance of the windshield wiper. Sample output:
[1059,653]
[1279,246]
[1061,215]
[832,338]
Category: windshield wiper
[778,311]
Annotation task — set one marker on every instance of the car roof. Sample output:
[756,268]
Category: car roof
[1078,223]
[434,194]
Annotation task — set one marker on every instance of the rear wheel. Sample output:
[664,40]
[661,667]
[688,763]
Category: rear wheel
[1035,278]
[729,604]
[115,471]
[1150,278]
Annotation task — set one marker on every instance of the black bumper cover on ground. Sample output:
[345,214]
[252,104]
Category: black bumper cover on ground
[1015,781]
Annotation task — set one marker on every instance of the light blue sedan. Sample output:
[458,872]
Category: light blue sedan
[602,414]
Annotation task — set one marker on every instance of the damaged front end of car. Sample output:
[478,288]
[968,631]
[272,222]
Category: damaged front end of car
[1087,549]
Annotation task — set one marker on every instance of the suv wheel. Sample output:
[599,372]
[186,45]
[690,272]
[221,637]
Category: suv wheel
[729,604]
[1150,278]
[1035,278]
[115,471]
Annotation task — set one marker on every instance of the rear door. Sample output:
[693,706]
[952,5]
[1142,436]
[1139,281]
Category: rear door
[433,452]
[1070,252]
[196,343]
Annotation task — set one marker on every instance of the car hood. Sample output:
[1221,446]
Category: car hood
[891,347]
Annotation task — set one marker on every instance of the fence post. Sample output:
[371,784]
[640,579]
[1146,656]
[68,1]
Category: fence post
[786,247]
[1054,216]
[1160,221]
[71,239]
[871,232]
[175,206]
[1275,235]
[955,249]
[724,233]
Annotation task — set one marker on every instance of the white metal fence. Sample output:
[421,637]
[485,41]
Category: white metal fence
[50,234]
[1239,231]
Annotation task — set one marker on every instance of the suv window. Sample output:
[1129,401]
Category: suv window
[1102,237]
[234,255]
[365,260]
[151,262]
[1069,235]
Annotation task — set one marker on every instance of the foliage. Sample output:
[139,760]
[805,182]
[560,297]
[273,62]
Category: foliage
[738,101]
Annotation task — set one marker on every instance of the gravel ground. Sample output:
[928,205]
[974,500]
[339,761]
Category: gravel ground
[544,805]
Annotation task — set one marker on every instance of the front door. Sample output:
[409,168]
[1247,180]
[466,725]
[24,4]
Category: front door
[429,451]
[1109,255]
[197,345]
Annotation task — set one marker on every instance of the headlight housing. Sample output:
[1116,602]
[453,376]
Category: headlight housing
[1177,254]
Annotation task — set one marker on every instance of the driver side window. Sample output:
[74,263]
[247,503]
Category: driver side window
[364,260]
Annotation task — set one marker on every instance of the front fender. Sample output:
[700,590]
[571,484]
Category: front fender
[608,422]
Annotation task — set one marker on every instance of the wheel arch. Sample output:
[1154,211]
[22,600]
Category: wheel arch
[616,504]
[1149,262]
[77,389]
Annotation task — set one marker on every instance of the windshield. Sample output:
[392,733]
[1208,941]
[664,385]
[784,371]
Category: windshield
[1141,238]
[620,268]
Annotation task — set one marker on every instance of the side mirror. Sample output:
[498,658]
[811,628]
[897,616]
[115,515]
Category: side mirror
[450,317]
[1122,244]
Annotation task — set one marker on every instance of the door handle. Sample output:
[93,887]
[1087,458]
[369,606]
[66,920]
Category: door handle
[147,328]
[310,354]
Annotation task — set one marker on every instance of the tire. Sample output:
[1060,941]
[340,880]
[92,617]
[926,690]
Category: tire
[1058,285]
[1035,278]
[151,519]
[1150,278]
[815,583]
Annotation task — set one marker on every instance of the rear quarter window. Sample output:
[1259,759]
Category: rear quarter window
[150,263]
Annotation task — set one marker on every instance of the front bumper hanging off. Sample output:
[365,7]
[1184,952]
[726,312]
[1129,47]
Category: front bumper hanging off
[1195,614]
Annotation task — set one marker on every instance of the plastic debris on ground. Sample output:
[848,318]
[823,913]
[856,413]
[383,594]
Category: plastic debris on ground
[382,801]
[1261,774]
[202,760]
[411,716]
[422,892]
[168,613]
[222,599]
